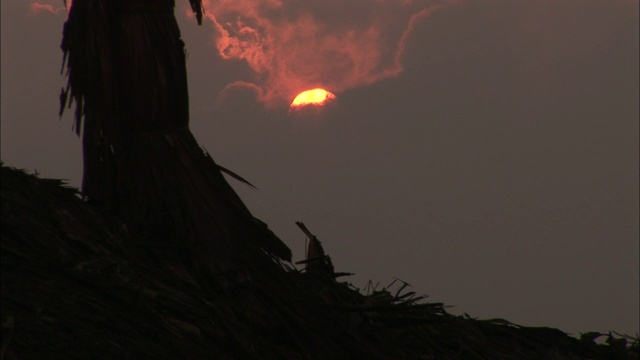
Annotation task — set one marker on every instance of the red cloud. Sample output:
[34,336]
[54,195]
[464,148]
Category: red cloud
[293,46]
[37,7]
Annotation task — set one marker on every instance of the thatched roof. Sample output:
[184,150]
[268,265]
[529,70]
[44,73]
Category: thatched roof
[77,285]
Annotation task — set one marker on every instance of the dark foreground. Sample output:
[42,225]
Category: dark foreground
[75,285]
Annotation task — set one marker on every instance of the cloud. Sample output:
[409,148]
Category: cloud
[292,46]
[36,8]
[238,86]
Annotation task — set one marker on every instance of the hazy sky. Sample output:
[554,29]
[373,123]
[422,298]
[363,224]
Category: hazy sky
[485,151]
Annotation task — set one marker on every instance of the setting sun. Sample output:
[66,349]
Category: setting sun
[312,97]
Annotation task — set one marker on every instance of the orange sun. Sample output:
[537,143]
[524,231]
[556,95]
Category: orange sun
[316,97]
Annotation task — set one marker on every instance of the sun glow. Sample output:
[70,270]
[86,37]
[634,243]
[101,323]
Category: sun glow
[316,96]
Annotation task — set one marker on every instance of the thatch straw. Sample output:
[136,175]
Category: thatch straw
[127,76]
[76,285]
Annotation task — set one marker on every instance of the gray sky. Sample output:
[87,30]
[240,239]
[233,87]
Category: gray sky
[484,151]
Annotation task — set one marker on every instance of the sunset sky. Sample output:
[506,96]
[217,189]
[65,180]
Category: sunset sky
[485,151]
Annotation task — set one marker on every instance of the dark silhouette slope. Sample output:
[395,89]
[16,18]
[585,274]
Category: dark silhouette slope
[77,285]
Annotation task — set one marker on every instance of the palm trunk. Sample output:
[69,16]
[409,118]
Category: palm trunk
[127,75]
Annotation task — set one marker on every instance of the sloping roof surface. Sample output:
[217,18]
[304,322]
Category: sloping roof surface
[75,285]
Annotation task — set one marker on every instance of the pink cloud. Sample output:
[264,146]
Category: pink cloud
[36,8]
[293,46]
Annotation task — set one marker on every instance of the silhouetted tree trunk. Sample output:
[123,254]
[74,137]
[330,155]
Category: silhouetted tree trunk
[127,76]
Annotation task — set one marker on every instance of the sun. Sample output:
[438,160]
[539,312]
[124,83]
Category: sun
[315,96]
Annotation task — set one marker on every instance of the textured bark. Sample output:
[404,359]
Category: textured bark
[127,76]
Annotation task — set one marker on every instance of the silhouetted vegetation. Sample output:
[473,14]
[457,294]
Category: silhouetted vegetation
[76,285]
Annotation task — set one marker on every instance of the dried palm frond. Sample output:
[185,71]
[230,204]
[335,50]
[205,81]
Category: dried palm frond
[127,77]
